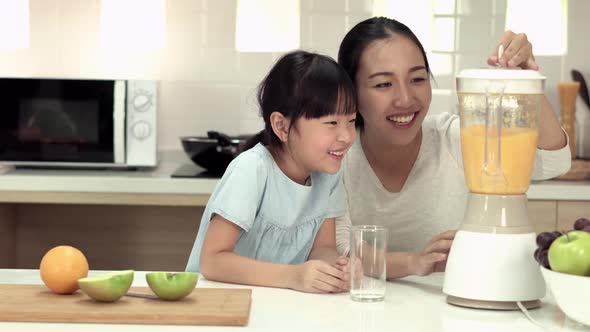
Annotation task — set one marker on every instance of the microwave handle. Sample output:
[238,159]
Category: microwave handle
[119,121]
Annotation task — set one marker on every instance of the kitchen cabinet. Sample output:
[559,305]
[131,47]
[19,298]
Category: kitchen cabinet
[557,215]
[543,215]
[146,220]
[7,236]
[569,211]
[112,237]
[153,237]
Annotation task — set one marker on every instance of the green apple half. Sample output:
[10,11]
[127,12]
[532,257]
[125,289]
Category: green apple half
[570,253]
[107,287]
[172,285]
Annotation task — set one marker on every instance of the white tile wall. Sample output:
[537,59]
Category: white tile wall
[360,6]
[327,30]
[330,6]
[206,84]
[473,34]
[551,67]
[352,20]
[441,65]
[475,7]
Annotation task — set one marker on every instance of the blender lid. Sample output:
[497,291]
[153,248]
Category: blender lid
[495,80]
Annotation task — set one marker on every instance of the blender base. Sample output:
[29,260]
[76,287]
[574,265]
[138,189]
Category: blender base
[493,305]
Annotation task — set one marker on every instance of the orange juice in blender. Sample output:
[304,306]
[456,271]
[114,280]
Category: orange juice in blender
[517,155]
[499,130]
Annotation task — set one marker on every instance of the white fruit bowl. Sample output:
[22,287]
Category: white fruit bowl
[571,292]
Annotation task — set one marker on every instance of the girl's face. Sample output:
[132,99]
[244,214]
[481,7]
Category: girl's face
[320,144]
[393,89]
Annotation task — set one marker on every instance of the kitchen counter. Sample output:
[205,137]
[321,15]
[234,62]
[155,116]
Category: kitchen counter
[156,187]
[412,304]
[142,187]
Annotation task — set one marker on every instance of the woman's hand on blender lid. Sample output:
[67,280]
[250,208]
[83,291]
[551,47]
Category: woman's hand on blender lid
[513,50]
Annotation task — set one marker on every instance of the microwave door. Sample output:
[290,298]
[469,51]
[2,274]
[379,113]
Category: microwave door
[119,122]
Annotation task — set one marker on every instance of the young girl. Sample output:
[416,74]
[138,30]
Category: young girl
[271,219]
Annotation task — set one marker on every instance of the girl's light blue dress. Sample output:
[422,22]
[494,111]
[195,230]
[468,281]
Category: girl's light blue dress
[279,218]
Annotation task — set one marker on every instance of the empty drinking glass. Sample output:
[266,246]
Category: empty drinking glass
[367,263]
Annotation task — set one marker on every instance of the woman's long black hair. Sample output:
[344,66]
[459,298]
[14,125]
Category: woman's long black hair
[364,33]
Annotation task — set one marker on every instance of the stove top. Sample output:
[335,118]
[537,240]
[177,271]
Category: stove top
[194,171]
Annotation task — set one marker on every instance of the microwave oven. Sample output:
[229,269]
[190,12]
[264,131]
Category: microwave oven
[78,123]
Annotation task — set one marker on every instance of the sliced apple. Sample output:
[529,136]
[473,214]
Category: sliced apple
[107,287]
[172,285]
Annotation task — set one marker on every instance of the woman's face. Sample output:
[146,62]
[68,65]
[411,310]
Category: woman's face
[393,89]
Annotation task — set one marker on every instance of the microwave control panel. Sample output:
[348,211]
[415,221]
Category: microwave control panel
[141,123]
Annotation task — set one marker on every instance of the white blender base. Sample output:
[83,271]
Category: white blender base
[493,305]
[484,268]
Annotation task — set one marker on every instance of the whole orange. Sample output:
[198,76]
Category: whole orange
[61,267]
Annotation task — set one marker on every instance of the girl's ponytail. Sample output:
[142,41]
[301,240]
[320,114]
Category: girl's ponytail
[252,141]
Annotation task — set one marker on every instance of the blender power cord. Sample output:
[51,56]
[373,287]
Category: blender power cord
[528,316]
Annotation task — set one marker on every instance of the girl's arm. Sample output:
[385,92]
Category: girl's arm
[220,263]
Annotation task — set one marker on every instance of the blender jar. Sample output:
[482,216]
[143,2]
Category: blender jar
[499,111]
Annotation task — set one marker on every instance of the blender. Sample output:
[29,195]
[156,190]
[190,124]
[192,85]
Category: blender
[490,264]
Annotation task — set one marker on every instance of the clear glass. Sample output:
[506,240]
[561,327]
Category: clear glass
[367,263]
[499,140]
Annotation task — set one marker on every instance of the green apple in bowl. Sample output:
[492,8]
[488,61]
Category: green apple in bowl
[570,253]
[172,285]
[107,287]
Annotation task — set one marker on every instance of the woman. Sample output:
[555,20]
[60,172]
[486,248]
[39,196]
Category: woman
[405,169]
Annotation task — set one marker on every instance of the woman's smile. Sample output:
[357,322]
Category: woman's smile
[405,120]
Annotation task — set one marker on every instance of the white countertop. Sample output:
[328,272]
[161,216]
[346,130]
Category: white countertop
[412,304]
[149,181]
[158,181]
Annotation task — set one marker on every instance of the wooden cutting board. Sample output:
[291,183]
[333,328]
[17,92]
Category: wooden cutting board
[205,306]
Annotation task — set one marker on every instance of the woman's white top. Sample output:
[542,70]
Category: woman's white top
[434,196]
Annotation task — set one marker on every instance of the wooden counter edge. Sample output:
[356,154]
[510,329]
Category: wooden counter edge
[104,198]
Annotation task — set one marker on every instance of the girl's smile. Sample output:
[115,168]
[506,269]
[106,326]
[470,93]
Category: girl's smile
[337,154]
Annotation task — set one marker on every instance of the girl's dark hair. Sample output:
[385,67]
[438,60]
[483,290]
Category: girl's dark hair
[302,84]
[366,32]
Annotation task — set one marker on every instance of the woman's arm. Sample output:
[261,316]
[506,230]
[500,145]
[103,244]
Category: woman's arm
[343,226]
[324,245]
[551,136]
[518,52]
[431,259]
[220,263]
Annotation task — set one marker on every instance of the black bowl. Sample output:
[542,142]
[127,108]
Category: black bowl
[213,154]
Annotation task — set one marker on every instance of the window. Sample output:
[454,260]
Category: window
[134,25]
[14,24]
[544,22]
[267,25]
